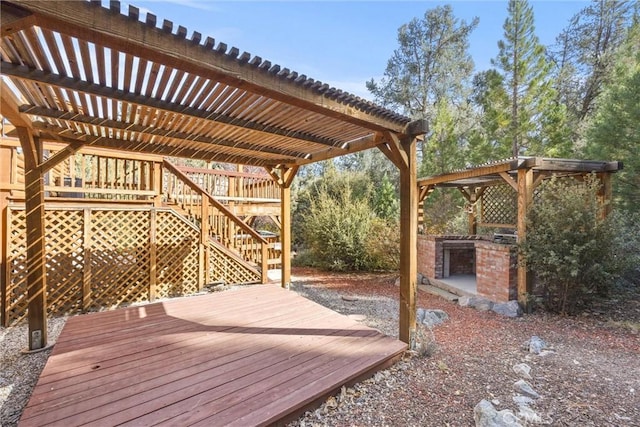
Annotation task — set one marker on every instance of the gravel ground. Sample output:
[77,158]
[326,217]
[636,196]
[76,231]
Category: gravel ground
[20,372]
[592,377]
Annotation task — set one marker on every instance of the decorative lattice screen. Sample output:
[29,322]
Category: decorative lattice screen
[119,247]
[177,265]
[107,261]
[499,206]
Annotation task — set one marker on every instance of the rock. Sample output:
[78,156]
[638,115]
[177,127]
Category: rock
[529,416]
[485,415]
[525,388]
[535,345]
[431,317]
[521,400]
[478,303]
[508,309]
[523,370]
[349,298]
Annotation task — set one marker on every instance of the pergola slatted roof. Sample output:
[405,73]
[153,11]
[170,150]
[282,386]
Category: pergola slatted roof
[83,72]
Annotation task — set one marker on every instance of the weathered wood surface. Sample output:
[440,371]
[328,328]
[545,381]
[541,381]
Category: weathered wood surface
[243,357]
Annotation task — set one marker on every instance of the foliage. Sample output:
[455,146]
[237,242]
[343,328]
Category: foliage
[383,245]
[386,205]
[584,56]
[443,211]
[573,252]
[428,77]
[615,131]
[430,64]
[336,229]
[536,123]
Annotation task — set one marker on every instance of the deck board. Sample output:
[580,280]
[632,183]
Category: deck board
[244,357]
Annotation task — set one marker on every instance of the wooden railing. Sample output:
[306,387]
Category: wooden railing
[98,174]
[215,220]
[233,186]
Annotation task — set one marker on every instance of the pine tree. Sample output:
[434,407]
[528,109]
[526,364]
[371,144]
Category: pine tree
[535,119]
[615,131]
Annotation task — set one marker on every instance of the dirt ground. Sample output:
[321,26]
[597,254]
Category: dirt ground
[591,376]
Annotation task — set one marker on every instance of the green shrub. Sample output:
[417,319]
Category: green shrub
[383,245]
[573,252]
[335,230]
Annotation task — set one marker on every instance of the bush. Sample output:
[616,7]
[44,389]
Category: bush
[335,230]
[383,245]
[573,252]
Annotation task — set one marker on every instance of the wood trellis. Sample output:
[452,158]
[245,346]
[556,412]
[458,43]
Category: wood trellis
[153,253]
[499,207]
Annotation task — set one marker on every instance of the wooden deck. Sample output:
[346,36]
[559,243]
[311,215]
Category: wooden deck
[252,356]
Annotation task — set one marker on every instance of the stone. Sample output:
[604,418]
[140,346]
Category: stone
[349,298]
[486,415]
[431,318]
[535,345]
[521,400]
[508,309]
[523,370]
[478,303]
[529,416]
[523,387]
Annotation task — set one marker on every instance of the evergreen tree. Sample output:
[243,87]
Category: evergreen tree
[584,56]
[535,120]
[615,131]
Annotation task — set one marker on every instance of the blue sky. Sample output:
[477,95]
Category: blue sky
[343,43]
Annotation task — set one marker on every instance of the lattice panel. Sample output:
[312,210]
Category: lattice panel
[177,250]
[15,303]
[64,264]
[228,270]
[499,205]
[119,258]
[65,260]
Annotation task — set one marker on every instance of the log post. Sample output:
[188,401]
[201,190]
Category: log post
[408,243]
[525,198]
[36,263]
[6,171]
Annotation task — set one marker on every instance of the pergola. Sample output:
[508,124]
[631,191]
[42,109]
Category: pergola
[522,175]
[85,75]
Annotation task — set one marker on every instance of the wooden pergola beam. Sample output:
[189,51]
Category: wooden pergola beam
[59,81]
[92,23]
[59,134]
[72,117]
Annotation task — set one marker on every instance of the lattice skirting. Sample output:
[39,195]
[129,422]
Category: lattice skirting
[99,258]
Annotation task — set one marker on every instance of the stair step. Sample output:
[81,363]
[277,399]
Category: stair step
[439,292]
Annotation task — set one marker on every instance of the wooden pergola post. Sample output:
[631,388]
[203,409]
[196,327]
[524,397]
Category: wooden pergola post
[525,198]
[36,268]
[284,180]
[408,243]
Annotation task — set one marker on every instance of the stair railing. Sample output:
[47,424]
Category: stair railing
[215,220]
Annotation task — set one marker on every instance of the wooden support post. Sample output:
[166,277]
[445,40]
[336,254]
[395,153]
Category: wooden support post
[6,160]
[408,244]
[264,267]
[606,193]
[86,271]
[153,255]
[285,234]
[284,180]
[525,198]
[36,262]
[203,277]
[156,184]
[472,217]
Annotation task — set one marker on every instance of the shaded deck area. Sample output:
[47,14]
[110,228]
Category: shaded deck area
[251,356]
